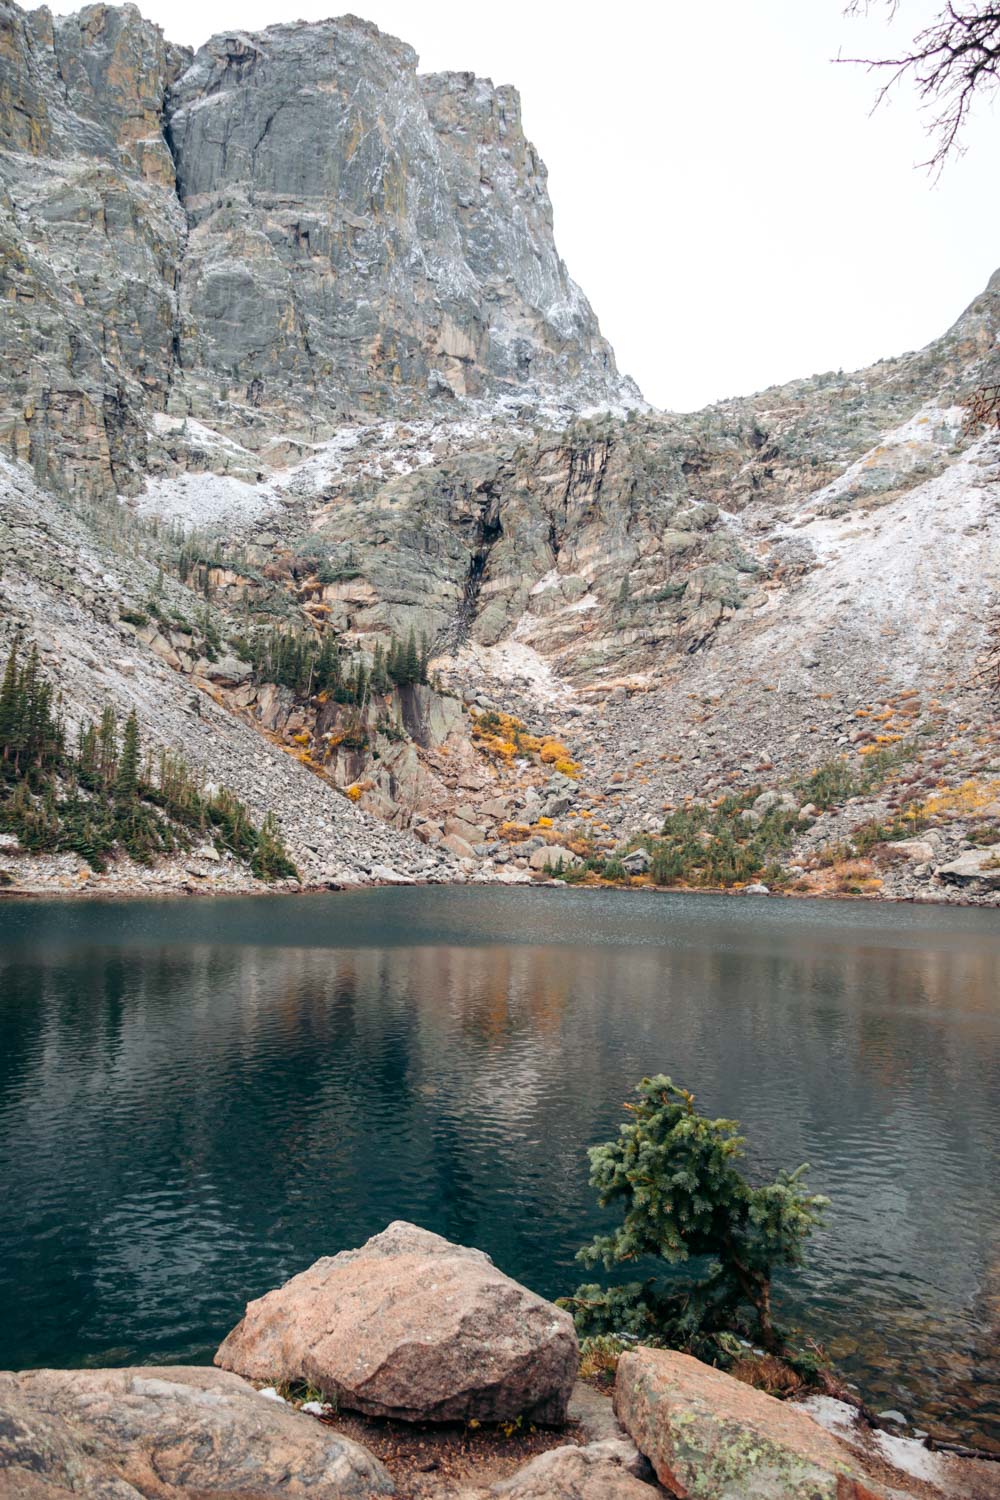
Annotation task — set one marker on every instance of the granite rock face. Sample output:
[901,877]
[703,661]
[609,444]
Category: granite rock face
[363,235]
[288,227]
[176,1430]
[90,237]
[414,1327]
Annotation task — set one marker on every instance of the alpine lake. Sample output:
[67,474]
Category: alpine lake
[198,1099]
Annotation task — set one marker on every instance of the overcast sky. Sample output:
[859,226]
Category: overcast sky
[721,192]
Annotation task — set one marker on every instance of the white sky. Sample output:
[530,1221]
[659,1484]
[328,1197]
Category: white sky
[720,191]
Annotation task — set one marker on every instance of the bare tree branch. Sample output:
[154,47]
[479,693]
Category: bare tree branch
[953,61]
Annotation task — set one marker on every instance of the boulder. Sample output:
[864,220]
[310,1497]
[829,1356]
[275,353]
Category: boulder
[977,867]
[461,848]
[594,1415]
[767,801]
[919,851]
[495,808]
[550,856]
[636,863]
[427,831]
[414,1327]
[709,1435]
[472,833]
[229,671]
[167,1431]
[592,1473]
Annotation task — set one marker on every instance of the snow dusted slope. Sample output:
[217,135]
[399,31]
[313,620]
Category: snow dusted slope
[67,586]
[926,567]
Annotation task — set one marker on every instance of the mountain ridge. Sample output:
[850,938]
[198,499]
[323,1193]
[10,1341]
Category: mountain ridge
[286,314]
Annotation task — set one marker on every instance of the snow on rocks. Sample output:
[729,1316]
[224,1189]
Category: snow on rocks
[205,501]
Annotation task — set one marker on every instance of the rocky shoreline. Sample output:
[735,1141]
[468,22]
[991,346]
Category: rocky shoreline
[61,877]
[180,890]
[414,1367]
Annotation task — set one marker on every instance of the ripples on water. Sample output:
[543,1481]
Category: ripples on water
[197,1100]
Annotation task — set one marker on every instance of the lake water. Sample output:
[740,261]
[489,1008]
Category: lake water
[197,1099]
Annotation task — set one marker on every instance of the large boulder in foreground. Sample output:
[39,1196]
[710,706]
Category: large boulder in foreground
[412,1326]
[185,1431]
[710,1437]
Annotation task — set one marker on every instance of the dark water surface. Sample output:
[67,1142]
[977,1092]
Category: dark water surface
[197,1099]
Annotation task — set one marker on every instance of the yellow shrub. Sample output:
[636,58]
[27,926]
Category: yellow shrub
[303,738]
[545,823]
[513,832]
[552,751]
[354,792]
[570,768]
[970,797]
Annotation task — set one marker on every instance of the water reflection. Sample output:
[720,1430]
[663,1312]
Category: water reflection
[195,1103]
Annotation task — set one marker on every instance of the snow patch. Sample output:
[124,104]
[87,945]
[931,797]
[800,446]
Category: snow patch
[203,501]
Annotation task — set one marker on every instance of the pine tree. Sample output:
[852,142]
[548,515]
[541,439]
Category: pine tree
[271,860]
[379,675]
[86,752]
[411,662]
[107,745]
[127,777]
[9,710]
[675,1174]
[394,665]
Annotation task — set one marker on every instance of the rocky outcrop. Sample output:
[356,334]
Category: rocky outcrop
[412,1326]
[979,868]
[133,1434]
[69,586]
[286,226]
[391,234]
[708,1435]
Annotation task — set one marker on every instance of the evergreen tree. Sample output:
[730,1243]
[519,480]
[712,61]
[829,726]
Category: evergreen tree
[411,662]
[392,660]
[675,1175]
[107,745]
[9,705]
[127,776]
[86,751]
[379,676]
[271,860]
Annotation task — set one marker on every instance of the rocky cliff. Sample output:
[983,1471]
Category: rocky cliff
[274,234]
[301,303]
